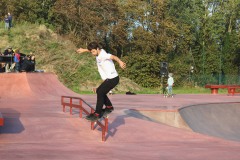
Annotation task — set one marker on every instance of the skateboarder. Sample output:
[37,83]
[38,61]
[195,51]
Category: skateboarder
[109,76]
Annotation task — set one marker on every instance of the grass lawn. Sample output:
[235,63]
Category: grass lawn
[176,90]
[182,90]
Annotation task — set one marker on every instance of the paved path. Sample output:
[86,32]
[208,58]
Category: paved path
[36,128]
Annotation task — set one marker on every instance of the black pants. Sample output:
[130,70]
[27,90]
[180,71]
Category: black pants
[102,92]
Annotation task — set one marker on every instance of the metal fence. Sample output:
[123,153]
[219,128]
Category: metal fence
[202,80]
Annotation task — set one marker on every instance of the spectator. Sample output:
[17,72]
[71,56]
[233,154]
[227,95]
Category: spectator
[1,54]
[2,67]
[28,64]
[9,64]
[17,60]
[10,20]
[22,56]
[8,52]
[25,65]
[170,83]
[32,60]
[6,20]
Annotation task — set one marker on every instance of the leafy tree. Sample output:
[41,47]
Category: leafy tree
[143,69]
[199,33]
[89,20]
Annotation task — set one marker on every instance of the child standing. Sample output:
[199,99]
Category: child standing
[17,60]
[170,83]
[109,75]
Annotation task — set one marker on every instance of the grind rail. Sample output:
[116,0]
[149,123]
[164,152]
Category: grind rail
[77,102]
[1,120]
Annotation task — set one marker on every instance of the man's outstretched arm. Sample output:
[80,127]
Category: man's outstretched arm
[82,50]
[120,62]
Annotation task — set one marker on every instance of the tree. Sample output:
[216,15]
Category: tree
[89,20]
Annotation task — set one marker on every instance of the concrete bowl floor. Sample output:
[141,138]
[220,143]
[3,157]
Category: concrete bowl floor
[36,128]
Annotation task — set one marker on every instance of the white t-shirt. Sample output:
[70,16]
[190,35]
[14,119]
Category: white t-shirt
[106,67]
[170,81]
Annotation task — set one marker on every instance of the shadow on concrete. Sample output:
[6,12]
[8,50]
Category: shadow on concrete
[12,123]
[120,120]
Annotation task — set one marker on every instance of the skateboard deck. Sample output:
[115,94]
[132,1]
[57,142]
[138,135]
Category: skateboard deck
[167,96]
[104,115]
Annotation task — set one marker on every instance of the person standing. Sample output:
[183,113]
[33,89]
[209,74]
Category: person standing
[8,51]
[9,63]
[109,75]
[2,64]
[10,20]
[33,62]
[26,64]
[6,20]
[17,60]
[170,83]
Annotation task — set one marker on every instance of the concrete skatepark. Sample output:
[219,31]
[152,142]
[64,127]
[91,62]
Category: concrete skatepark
[193,127]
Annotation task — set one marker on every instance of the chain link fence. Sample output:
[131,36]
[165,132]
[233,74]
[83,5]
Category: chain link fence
[202,80]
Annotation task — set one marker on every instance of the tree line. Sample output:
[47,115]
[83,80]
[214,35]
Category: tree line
[200,39]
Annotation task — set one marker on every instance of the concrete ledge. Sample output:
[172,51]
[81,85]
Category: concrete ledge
[171,118]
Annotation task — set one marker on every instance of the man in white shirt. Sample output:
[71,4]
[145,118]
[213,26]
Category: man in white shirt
[109,75]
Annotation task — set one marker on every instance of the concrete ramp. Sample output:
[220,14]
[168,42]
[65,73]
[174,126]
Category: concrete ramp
[38,85]
[14,85]
[219,119]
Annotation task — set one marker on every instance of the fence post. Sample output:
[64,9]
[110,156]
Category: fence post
[71,105]
[80,108]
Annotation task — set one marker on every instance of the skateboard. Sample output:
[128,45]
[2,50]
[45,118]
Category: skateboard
[166,96]
[104,115]
[165,93]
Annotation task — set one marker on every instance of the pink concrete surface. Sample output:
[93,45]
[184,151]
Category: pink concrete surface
[35,128]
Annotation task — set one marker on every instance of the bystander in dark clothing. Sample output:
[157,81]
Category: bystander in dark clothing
[2,67]
[8,52]
[28,64]
[1,54]
[6,20]
[10,20]
[32,60]
[25,65]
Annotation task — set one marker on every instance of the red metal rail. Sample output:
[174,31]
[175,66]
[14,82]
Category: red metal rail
[78,102]
[214,88]
[1,120]
[233,90]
